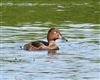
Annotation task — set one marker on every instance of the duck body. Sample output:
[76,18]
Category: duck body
[40,45]
[52,36]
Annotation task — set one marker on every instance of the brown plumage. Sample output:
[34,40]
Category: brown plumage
[53,34]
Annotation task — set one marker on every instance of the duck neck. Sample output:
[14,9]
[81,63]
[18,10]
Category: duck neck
[52,44]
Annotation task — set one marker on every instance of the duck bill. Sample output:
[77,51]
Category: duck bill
[61,37]
[64,39]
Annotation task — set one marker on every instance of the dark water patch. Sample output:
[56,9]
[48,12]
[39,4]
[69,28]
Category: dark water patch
[57,11]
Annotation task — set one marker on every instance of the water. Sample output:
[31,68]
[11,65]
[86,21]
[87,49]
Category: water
[77,59]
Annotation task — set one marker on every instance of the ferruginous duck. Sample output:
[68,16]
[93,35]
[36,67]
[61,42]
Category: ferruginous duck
[52,36]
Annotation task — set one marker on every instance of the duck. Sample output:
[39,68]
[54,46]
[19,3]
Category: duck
[52,36]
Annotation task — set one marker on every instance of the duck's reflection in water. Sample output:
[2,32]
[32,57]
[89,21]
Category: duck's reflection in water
[52,53]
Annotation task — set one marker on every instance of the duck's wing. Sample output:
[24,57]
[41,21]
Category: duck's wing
[39,43]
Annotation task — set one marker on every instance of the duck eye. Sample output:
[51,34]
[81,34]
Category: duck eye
[55,32]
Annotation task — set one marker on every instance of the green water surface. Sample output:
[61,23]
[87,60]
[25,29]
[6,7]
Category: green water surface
[19,12]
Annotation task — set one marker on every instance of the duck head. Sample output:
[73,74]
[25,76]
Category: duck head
[54,34]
